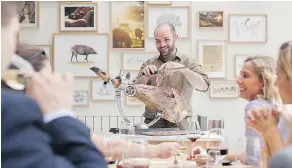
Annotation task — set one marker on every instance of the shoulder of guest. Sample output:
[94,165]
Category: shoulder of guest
[16,103]
[255,103]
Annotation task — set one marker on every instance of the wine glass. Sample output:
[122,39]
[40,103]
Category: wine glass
[217,151]
[193,132]
[18,79]
[253,150]
[126,128]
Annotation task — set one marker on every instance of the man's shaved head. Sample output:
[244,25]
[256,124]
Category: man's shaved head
[165,37]
[164,26]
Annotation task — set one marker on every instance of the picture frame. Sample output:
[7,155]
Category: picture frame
[48,51]
[29,14]
[212,57]
[132,61]
[70,49]
[132,101]
[159,2]
[211,19]
[81,98]
[100,92]
[127,27]
[78,16]
[180,17]
[239,61]
[224,89]
[247,28]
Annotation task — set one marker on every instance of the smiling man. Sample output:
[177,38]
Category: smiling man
[183,80]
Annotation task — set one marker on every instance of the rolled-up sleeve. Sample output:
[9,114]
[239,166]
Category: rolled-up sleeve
[196,67]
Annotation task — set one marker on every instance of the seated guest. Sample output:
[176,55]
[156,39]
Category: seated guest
[264,120]
[29,129]
[40,62]
[256,85]
[282,159]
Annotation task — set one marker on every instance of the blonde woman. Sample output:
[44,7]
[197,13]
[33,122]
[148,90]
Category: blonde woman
[264,120]
[256,85]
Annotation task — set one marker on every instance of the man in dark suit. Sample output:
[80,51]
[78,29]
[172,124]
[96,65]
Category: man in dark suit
[41,131]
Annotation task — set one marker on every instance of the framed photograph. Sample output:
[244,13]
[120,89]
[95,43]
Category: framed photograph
[132,61]
[132,101]
[100,91]
[178,16]
[77,52]
[212,57]
[78,16]
[247,28]
[127,25]
[239,62]
[224,89]
[29,13]
[211,19]
[48,51]
[159,2]
[81,98]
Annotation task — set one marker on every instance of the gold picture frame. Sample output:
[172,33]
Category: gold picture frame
[89,19]
[122,37]
[26,12]
[100,57]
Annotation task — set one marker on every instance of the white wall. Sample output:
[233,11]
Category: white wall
[231,110]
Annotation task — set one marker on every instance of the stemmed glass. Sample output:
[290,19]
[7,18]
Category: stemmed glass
[126,128]
[216,152]
[193,132]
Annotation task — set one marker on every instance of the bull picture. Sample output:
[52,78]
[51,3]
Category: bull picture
[121,39]
[81,50]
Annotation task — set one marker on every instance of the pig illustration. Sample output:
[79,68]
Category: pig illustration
[82,50]
[120,36]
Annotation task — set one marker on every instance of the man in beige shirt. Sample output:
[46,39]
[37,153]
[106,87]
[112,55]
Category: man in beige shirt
[183,80]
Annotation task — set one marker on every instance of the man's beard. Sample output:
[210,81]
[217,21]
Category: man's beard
[167,53]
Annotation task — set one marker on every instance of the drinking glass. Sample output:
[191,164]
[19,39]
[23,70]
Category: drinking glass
[18,79]
[216,152]
[126,128]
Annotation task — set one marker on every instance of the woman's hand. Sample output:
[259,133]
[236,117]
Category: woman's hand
[262,119]
[165,150]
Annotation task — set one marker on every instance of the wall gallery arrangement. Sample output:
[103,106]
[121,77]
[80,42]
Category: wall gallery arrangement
[79,45]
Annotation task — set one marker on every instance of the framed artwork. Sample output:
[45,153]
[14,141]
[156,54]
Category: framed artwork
[81,98]
[78,16]
[247,28]
[224,89]
[211,19]
[127,25]
[77,52]
[239,62]
[178,16]
[29,13]
[133,74]
[100,91]
[212,57]
[132,101]
[132,61]
[159,2]
[48,51]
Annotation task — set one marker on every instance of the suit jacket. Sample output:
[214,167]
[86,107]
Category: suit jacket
[28,142]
